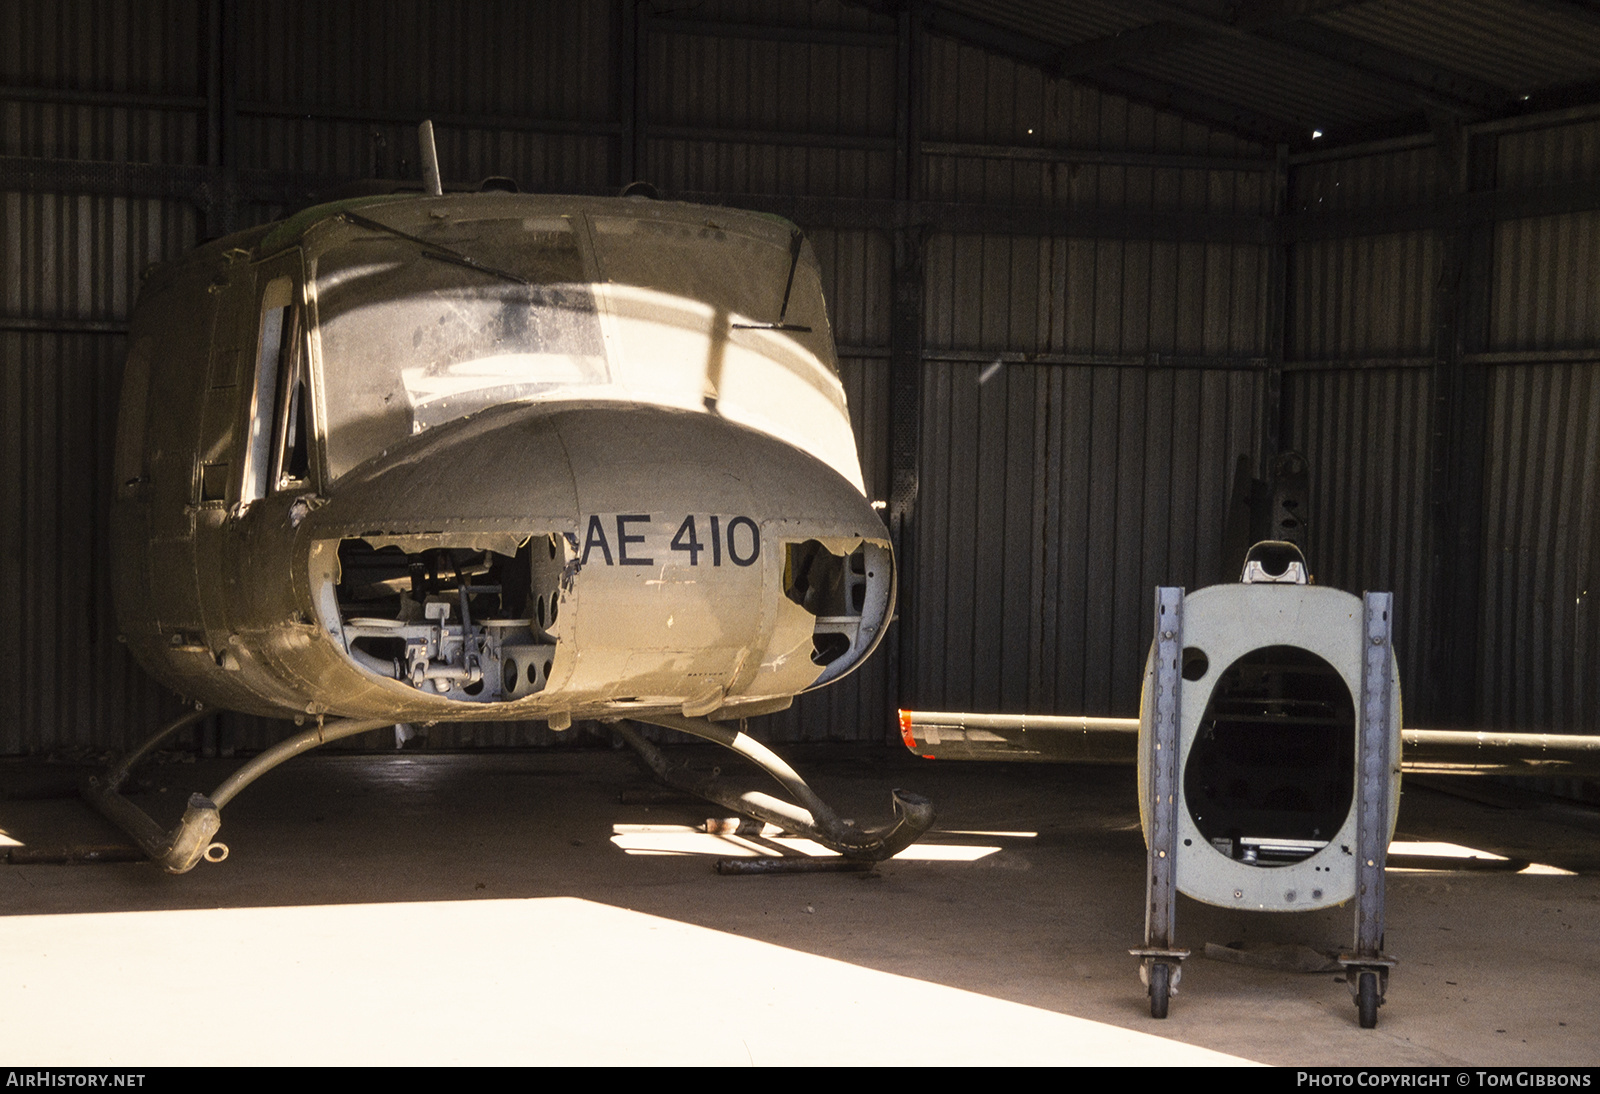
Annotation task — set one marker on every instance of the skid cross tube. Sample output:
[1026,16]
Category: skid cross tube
[181,849]
[811,818]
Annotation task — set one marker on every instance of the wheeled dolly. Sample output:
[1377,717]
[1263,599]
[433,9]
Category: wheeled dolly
[1237,637]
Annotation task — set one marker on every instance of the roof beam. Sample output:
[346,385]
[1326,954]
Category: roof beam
[1285,23]
[1186,102]
[1182,101]
[1185,27]
[1584,11]
[1133,44]
[1430,84]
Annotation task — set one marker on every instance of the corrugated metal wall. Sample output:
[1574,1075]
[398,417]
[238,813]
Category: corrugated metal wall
[71,271]
[1541,634]
[1360,400]
[1364,432]
[536,92]
[1086,391]
[530,91]
[1065,471]
[1540,637]
[1054,499]
[1357,387]
[327,89]
[336,88]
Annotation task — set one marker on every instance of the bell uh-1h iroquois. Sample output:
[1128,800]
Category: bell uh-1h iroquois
[492,456]
[1270,749]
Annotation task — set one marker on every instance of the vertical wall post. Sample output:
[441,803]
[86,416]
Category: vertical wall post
[230,116]
[627,60]
[1458,430]
[214,83]
[1275,418]
[905,350]
[222,117]
[639,118]
[907,130]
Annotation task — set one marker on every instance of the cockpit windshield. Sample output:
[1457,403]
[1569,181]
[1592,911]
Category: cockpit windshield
[424,326]
[427,312]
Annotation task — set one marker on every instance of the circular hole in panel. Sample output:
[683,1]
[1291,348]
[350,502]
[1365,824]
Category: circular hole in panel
[1195,663]
[1271,772]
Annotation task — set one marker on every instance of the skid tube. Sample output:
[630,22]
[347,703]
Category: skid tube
[811,818]
[181,849]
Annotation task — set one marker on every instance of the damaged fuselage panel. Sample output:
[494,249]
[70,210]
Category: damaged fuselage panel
[501,619]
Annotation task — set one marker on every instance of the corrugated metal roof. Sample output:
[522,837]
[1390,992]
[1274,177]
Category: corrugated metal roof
[1352,70]
[1279,81]
[1522,47]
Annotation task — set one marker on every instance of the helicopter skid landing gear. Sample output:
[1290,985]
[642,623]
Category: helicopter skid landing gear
[811,818]
[180,850]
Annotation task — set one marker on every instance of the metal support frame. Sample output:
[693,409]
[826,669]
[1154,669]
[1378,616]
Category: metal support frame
[1457,429]
[178,851]
[1161,964]
[1275,414]
[1367,966]
[632,104]
[905,350]
[812,818]
[222,118]
[204,186]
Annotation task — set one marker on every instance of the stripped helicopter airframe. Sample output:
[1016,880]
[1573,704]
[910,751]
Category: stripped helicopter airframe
[494,456]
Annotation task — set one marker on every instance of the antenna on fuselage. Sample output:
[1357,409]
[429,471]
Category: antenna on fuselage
[430,160]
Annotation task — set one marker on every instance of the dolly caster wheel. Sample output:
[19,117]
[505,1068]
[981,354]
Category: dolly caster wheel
[1160,989]
[1367,999]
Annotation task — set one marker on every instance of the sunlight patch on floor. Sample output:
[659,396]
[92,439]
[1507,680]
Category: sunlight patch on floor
[1440,849]
[555,980]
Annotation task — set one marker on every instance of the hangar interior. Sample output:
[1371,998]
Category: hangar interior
[1092,268]
[1082,261]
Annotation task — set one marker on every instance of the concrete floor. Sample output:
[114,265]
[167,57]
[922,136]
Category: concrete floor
[490,908]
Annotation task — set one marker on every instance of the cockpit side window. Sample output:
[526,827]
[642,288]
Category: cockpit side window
[292,425]
[278,435]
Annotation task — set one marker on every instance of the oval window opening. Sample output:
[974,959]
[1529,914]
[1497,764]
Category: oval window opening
[1271,772]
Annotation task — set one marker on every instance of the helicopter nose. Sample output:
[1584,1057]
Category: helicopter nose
[674,555]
